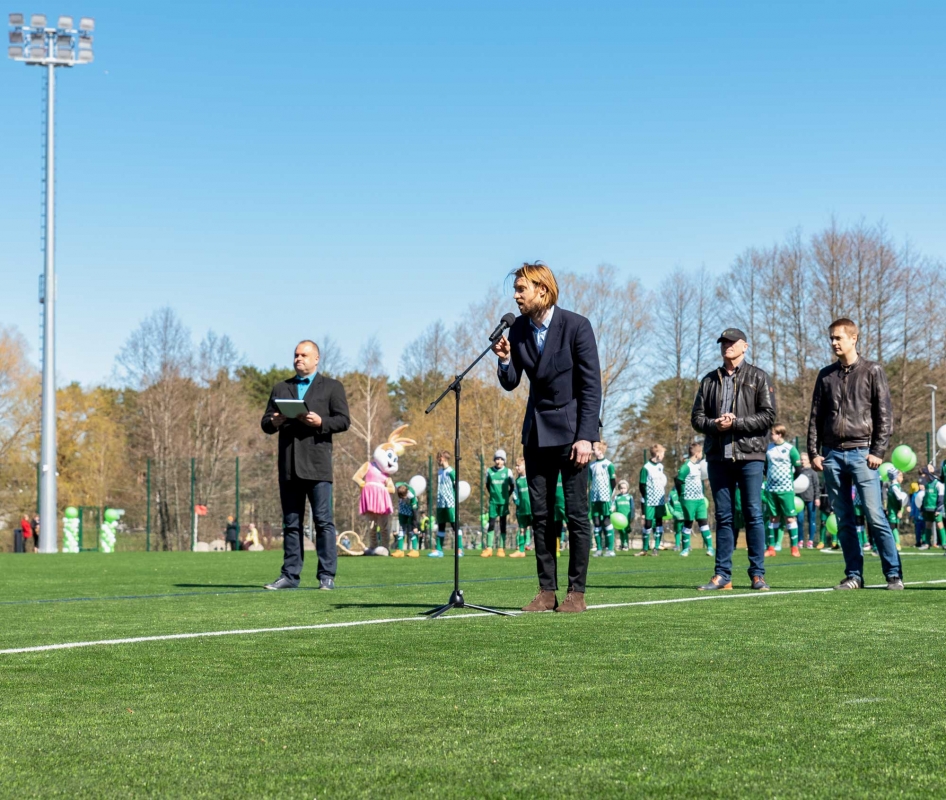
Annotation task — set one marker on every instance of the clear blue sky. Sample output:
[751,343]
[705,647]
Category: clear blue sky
[284,170]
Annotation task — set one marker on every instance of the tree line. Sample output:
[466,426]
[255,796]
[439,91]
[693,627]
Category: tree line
[179,415]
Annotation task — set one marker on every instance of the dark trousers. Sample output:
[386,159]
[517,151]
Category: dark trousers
[543,465]
[724,477]
[293,494]
[811,521]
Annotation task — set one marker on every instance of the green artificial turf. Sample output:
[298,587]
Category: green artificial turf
[832,694]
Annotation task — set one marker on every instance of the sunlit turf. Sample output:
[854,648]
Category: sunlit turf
[785,695]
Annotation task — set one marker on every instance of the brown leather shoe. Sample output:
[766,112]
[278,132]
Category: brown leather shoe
[574,603]
[544,601]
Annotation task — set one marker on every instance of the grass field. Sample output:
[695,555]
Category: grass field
[802,694]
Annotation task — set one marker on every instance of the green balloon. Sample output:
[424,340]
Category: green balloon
[799,504]
[831,523]
[619,521]
[71,512]
[903,458]
[111,515]
[885,471]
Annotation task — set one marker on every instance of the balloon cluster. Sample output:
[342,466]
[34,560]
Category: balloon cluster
[70,530]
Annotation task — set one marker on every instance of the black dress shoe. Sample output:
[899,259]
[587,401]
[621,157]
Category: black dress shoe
[281,583]
[327,583]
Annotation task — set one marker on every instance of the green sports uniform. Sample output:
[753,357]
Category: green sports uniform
[624,504]
[781,463]
[933,501]
[407,510]
[695,508]
[653,488]
[601,482]
[446,505]
[523,503]
[896,500]
[501,484]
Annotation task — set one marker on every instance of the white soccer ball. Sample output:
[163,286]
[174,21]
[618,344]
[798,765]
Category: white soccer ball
[419,484]
[941,437]
[801,484]
[704,470]
[464,492]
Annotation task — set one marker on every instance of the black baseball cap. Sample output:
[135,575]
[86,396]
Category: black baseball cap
[731,335]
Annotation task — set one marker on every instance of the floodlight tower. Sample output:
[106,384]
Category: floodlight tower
[38,45]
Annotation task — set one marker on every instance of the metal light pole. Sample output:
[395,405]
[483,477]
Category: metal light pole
[932,389]
[35,44]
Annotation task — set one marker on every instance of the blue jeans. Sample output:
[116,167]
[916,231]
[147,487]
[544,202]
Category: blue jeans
[842,470]
[811,521]
[724,476]
[293,494]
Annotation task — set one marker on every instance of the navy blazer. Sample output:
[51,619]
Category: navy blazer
[564,382]
[306,452]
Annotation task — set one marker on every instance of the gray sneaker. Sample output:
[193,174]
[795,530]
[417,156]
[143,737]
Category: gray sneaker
[327,583]
[851,583]
[281,583]
[896,582]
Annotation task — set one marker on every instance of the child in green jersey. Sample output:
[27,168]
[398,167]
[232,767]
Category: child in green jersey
[601,483]
[653,489]
[523,509]
[782,466]
[501,483]
[689,483]
[933,504]
[897,500]
[446,504]
[623,503]
[408,523]
[675,509]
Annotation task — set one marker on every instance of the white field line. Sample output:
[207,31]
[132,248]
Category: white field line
[358,623]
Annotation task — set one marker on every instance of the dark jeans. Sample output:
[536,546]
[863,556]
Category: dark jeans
[724,477]
[842,470]
[543,465]
[293,494]
[811,521]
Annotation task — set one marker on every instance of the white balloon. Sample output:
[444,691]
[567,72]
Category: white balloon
[941,437]
[801,484]
[704,470]
[918,498]
[419,484]
[464,491]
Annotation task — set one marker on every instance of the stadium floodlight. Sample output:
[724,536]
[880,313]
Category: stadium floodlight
[50,48]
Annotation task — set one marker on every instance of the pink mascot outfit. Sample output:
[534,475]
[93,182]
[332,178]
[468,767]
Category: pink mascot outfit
[377,488]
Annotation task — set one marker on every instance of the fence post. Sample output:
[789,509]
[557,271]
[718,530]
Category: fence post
[38,483]
[193,501]
[148,513]
[480,520]
[237,520]
[431,488]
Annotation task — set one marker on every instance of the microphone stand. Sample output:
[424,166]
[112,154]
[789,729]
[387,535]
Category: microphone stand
[456,598]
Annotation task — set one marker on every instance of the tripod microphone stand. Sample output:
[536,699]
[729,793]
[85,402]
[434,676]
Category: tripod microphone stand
[456,598]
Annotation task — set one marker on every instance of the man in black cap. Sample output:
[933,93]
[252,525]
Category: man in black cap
[734,410]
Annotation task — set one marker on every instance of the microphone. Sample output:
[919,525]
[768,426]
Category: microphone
[505,322]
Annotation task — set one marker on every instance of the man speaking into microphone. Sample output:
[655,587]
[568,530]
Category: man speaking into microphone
[556,350]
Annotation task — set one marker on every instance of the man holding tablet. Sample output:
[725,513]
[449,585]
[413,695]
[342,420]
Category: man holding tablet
[306,411]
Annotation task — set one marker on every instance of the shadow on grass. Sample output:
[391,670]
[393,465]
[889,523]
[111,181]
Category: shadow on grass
[218,586]
[425,606]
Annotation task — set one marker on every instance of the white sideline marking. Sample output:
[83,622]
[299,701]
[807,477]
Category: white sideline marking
[357,623]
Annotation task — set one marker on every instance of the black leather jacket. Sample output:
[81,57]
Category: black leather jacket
[753,405]
[850,408]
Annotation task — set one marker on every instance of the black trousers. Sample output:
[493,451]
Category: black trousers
[543,466]
[293,494]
